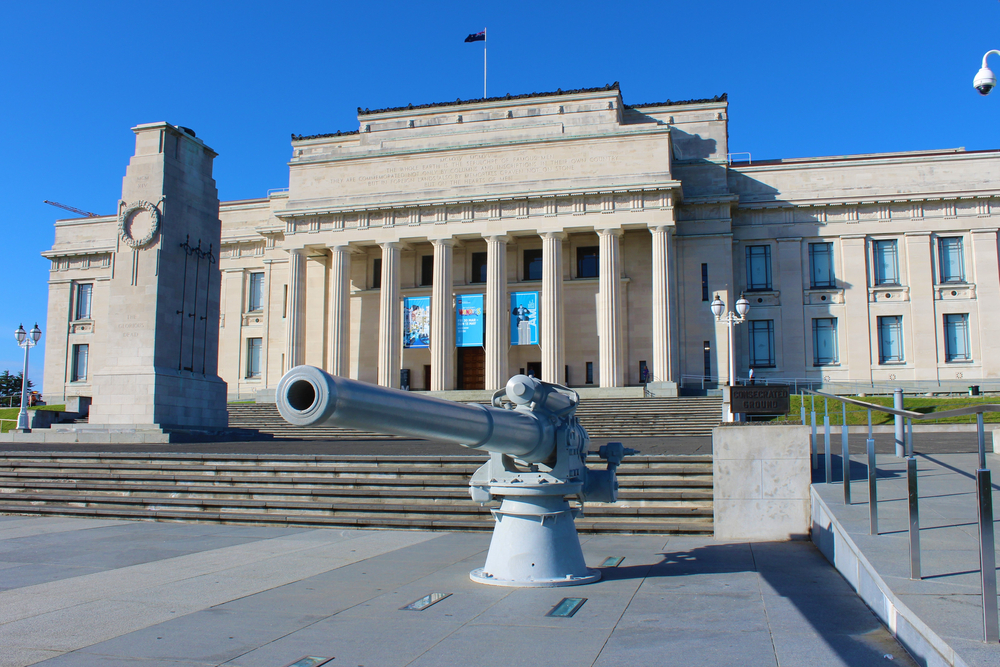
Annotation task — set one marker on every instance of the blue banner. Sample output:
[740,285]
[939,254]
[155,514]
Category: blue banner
[524,318]
[469,329]
[417,321]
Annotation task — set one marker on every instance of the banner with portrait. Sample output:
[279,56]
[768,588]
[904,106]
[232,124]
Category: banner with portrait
[469,327]
[524,318]
[417,321]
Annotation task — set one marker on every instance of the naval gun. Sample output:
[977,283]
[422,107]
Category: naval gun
[537,449]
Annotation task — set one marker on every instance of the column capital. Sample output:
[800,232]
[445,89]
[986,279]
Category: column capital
[341,247]
[497,238]
[562,236]
[446,241]
[610,231]
[390,245]
[661,228]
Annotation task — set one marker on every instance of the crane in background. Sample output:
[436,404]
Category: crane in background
[86,214]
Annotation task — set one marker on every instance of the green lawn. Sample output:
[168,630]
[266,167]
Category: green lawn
[856,415]
[11,413]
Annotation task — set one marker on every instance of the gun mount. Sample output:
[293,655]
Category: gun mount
[537,453]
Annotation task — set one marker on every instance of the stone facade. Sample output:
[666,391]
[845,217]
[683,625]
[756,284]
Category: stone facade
[627,220]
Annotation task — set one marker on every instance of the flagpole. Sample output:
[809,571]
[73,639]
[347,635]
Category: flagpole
[484,63]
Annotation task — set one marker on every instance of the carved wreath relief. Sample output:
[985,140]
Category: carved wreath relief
[138,223]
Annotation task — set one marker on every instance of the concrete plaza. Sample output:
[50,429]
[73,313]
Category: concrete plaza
[105,593]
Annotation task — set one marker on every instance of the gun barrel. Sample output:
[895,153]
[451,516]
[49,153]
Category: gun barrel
[309,396]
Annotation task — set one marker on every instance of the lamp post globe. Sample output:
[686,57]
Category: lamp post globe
[742,306]
[718,306]
[36,333]
[20,334]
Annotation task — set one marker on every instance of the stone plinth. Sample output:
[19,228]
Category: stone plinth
[762,476]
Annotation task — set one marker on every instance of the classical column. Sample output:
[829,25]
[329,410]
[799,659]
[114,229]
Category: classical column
[294,345]
[553,348]
[609,326]
[340,309]
[390,321]
[497,312]
[663,336]
[442,318]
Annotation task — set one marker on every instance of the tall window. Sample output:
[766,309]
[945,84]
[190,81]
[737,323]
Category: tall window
[952,261]
[758,267]
[708,359]
[762,343]
[886,262]
[890,340]
[478,267]
[590,372]
[427,270]
[84,295]
[80,355]
[253,357]
[825,341]
[533,264]
[956,338]
[704,282]
[821,265]
[377,273]
[255,298]
[588,261]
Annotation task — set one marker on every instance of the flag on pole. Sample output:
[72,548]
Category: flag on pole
[477,37]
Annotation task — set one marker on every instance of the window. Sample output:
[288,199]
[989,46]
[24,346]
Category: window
[762,343]
[478,267]
[590,372]
[758,267]
[84,294]
[890,340]
[708,359]
[886,263]
[253,357]
[533,264]
[821,265]
[704,282]
[952,261]
[825,341]
[956,338]
[255,297]
[427,270]
[377,273]
[79,370]
[588,261]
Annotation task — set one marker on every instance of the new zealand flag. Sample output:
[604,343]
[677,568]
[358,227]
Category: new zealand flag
[477,37]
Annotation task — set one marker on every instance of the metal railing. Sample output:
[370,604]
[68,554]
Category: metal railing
[984,488]
[851,387]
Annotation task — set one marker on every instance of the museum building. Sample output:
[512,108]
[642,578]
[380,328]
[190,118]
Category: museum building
[581,239]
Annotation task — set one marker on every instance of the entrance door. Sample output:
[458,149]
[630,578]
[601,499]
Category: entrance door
[535,369]
[471,368]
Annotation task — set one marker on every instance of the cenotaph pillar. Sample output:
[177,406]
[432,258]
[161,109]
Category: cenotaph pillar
[161,338]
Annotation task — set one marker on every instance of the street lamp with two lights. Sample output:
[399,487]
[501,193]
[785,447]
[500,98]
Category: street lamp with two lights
[27,340]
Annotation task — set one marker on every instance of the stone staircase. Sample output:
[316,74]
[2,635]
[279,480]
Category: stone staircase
[602,417]
[659,494]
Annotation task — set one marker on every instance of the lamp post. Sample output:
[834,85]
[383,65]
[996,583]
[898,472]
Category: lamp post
[27,340]
[731,319]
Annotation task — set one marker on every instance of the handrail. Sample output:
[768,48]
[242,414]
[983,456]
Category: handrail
[984,494]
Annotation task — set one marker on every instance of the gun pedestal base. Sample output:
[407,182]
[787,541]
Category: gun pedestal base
[535,545]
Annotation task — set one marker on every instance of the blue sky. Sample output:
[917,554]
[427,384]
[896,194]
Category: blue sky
[803,79]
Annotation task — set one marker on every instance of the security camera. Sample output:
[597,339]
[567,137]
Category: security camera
[985,81]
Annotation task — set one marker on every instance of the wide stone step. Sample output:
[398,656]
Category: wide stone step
[694,526]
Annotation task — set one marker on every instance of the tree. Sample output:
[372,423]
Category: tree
[10,385]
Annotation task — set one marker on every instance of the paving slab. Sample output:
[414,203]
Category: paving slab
[948,597]
[281,595]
